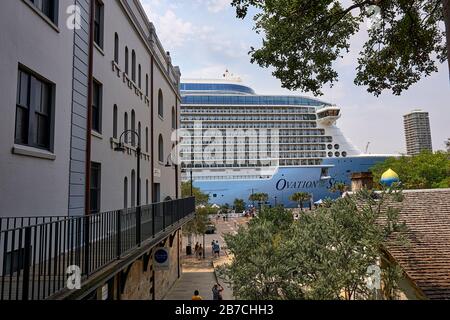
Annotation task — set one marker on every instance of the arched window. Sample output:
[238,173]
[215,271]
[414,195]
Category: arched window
[127,64]
[174,119]
[160,103]
[146,85]
[115,122]
[161,149]
[146,139]
[125,193]
[133,66]
[133,128]
[140,132]
[133,188]
[140,76]
[125,122]
[116,48]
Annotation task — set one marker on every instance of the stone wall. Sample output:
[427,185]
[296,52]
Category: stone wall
[143,283]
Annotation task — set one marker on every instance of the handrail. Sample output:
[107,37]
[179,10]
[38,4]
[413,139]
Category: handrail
[34,258]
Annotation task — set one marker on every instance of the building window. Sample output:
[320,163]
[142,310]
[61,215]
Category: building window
[133,128]
[125,122]
[160,103]
[174,119]
[97,106]
[133,66]
[125,193]
[115,122]
[33,111]
[116,48]
[95,187]
[161,149]
[140,76]
[146,85]
[98,23]
[48,8]
[139,132]
[127,65]
[146,139]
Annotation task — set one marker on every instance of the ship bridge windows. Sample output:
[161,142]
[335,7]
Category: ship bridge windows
[328,113]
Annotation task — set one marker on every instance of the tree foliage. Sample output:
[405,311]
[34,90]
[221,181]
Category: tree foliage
[302,39]
[323,255]
[339,187]
[239,205]
[200,197]
[259,197]
[424,171]
[198,225]
[300,198]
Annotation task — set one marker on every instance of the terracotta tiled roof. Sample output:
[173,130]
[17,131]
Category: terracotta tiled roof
[426,257]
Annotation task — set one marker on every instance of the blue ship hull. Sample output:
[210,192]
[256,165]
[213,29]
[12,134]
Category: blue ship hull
[289,180]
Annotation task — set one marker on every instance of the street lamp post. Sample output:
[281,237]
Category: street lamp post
[121,148]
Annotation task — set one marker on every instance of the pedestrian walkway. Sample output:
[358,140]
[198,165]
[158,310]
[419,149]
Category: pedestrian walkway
[197,275]
[201,275]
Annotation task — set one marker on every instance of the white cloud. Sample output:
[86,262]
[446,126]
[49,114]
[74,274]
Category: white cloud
[216,6]
[171,30]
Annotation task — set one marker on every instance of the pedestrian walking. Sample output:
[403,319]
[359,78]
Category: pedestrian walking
[200,252]
[216,249]
[217,290]
[196,296]
[212,247]
[196,250]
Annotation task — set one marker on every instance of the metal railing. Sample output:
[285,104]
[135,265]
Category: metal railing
[35,253]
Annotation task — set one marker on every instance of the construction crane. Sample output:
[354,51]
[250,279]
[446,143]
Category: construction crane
[367,147]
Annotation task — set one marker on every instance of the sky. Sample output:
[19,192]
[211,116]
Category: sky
[205,38]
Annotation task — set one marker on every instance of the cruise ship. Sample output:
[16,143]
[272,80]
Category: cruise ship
[235,142]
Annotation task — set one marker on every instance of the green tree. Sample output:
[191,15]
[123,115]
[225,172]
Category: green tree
[303,39]
[300,198]
[339,187]
[200,197]
[424,171]
[323,255]
[447,145]
[197,226]
[260,198]
[239,205]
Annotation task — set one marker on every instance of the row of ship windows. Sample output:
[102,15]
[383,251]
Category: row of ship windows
[253,125]
[250,100]
[309,117]
[225,110]
[231,177]
[316,162]
[282,132]
[297,140]
[264,148]
[225,165]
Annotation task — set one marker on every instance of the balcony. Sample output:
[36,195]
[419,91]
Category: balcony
[36,252]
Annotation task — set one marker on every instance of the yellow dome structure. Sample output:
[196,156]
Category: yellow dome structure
[389,178]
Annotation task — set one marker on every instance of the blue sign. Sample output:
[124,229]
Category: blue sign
[161,256]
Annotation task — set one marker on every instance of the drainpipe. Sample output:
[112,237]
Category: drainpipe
[87,204]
